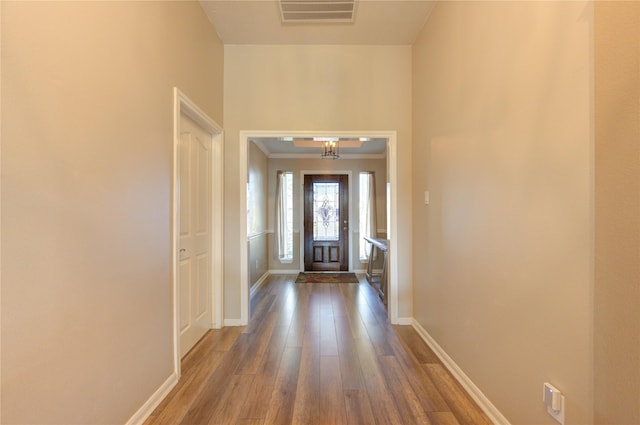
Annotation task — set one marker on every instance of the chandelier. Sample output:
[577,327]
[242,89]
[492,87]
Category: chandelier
[330,149]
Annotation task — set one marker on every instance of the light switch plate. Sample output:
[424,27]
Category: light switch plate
[554,400]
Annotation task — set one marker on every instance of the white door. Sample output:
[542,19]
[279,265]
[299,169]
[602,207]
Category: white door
[194,245]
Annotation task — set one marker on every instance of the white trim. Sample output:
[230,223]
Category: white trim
[288,261]
[217,216]
[285,271]
[260,145]
[392,167]
[149,406]
[243,167]
[184,105]
[392,235]
[233,322]
[483,402]
[407,321]
[259,283]
[257,235]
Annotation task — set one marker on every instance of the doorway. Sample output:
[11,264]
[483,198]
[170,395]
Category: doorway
[326,223]
[196,226]
[245,138]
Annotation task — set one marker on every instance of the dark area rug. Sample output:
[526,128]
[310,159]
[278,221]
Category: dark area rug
[307,277]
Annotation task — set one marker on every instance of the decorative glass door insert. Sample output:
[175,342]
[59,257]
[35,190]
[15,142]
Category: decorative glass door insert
[326,211]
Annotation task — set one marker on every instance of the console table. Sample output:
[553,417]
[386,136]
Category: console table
[378,281]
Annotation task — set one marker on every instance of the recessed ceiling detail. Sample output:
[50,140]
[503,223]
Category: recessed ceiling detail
[311,147]
[311,143]
[317,10]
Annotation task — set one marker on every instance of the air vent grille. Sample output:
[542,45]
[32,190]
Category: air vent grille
[318,10]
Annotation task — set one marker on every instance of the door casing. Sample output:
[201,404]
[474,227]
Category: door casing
[392,166]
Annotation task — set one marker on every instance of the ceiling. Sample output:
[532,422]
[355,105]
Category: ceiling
[376,22]
[307,147]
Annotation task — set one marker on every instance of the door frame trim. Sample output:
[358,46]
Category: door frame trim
[392,218]
[348,173]
[183,105]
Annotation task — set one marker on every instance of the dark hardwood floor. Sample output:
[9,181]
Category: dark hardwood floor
[315,354]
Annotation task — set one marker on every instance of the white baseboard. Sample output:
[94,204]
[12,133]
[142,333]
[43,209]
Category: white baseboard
[260,281]
[233,322]
[149,406]
[374,271]
[404,321]
[483,402]
[285,271]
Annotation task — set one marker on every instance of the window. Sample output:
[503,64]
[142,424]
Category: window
[284,216]
[367,212]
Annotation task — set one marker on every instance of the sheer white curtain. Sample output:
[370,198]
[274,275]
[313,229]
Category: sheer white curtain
[368,222]
[281,216]
[283,222]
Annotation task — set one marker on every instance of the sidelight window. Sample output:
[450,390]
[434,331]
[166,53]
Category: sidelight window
[284,216]
[367,212]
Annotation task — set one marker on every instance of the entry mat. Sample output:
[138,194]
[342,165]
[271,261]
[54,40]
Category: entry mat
[307,277]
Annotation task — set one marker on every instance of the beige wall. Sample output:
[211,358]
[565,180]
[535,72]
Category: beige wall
[296,166]
[86,194]
[502,130]
[316,88]
[617,213]
[257,219]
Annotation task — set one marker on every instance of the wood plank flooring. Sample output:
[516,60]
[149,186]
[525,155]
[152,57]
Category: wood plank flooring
[315,354]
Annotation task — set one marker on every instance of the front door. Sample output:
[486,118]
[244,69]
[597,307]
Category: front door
[194,266]
[326,223]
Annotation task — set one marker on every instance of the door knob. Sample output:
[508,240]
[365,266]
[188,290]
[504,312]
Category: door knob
[183,249]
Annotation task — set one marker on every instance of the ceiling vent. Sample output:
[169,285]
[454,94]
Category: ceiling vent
[317,10]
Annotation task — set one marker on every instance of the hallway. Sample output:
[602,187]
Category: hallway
[315,354]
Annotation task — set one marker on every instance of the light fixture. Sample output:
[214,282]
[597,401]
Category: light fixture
[330,149]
